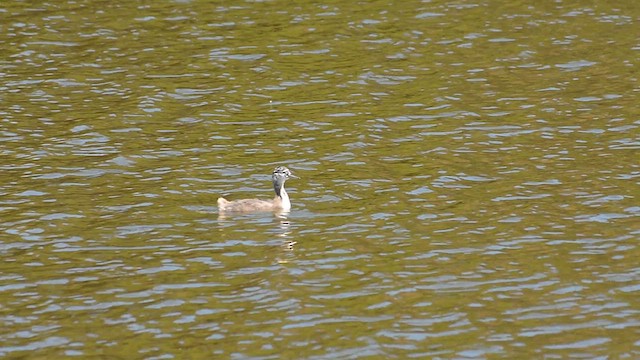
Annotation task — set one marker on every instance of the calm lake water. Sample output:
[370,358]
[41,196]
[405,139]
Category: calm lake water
[469,179]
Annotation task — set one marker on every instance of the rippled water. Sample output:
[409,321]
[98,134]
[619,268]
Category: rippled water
[469,180]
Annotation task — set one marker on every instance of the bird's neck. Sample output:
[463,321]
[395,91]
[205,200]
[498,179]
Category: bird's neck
[284,198]
[281,195]
[278,187]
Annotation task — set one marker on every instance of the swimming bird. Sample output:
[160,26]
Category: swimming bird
[280,201]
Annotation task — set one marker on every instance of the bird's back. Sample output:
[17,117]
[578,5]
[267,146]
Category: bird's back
[245,205]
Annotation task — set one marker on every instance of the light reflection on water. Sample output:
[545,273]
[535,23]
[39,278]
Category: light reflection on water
[469,180]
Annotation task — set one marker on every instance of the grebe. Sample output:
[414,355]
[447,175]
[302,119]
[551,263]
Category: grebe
[280,202]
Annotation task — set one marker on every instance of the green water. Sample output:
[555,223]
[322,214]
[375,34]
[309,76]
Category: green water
[469,179]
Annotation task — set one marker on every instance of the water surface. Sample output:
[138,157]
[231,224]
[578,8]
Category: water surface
[469,180]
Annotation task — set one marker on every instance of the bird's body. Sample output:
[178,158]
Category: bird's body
[280,202]
[248,205]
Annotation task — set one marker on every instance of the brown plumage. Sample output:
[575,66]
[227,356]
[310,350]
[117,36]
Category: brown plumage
[280,201]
